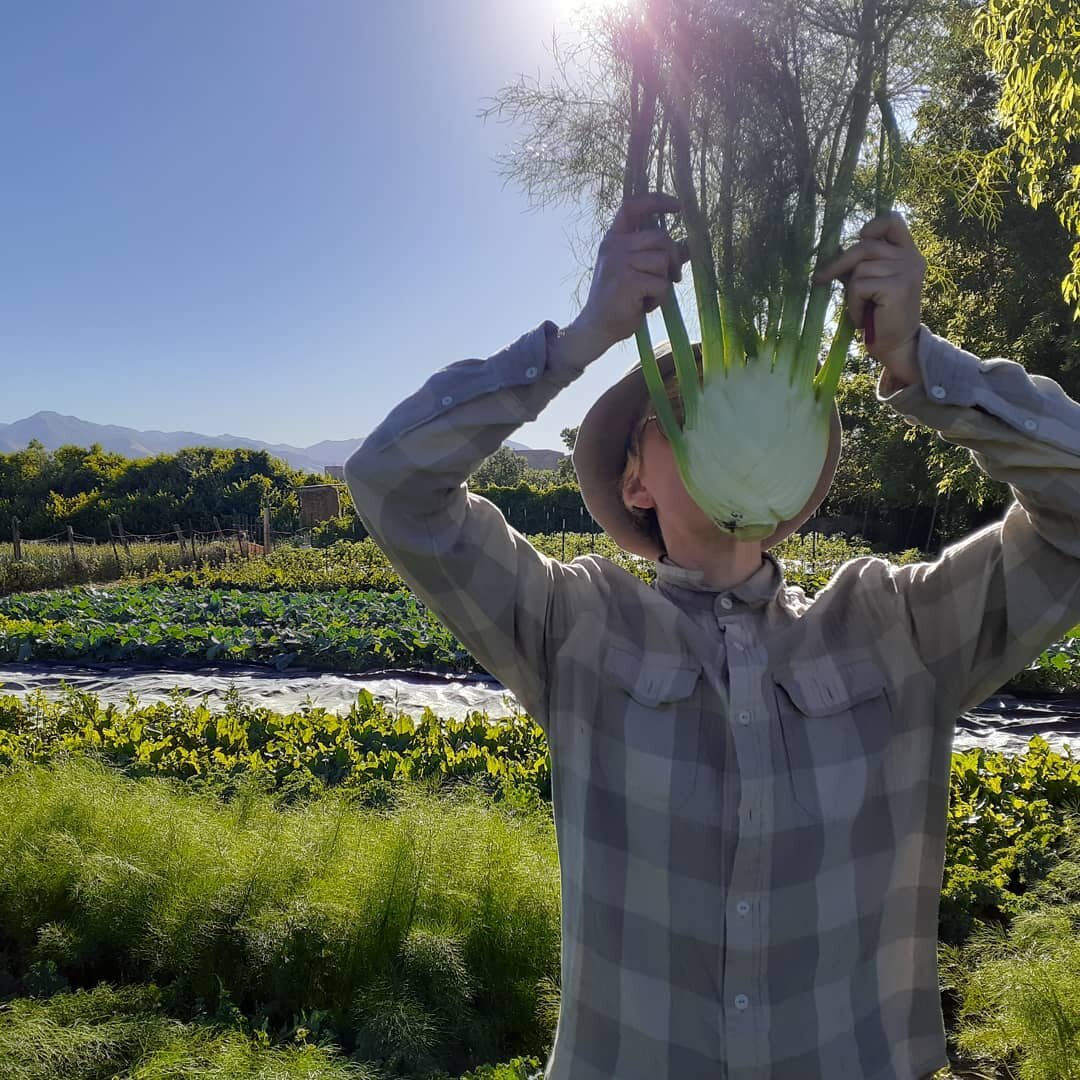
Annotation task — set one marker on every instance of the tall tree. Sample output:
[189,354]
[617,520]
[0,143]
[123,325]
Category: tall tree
[766,117]
[1035,46]
[993,279]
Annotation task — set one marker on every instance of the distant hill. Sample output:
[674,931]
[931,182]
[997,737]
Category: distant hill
[54,430]
[540,459]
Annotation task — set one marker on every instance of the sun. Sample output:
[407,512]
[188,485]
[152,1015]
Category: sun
[578,12]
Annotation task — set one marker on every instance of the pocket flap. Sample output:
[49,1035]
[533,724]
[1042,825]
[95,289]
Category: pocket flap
[827,688]
[651,680]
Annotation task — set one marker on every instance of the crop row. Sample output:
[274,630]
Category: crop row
[324,931]
[809,561]
[343,631]
[1007,814]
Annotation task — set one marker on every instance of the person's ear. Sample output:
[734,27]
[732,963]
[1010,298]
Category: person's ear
[636,495]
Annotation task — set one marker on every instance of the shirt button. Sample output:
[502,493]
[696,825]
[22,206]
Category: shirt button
[745,717]
[742,907]
[530,373]
[448,400]
[726,603]
[938,391]
[741,1001]
[1030,424]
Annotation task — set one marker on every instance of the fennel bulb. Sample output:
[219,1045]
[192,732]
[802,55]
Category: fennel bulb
[752,450]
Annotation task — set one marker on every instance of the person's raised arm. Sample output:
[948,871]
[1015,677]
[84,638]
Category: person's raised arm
[506,602]
[994,600]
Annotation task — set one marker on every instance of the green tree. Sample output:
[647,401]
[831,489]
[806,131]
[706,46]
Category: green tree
[993,287]
[1035,46]
[82,488]
[504,468]
[564,472]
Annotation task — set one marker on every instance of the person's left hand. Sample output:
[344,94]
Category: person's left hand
[884,268]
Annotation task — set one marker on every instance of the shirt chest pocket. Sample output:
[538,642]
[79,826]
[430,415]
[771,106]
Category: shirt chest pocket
[835,723]
[652,725]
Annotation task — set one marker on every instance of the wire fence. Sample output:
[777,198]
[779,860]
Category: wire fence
[68,557]
[248,539]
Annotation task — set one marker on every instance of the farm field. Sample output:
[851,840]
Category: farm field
[168,871]
[342,608]
[235,892]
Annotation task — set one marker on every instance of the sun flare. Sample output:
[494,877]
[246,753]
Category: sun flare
[583,11]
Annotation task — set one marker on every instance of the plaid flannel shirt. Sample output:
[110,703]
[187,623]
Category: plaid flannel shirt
[750,786]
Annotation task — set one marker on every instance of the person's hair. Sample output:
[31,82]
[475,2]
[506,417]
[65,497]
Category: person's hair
[646,519]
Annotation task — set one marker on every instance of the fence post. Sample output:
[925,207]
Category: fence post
[124,541]
[194,554]
[112,540]
[266,530]
[933,519]
[217,526]
[16,539]
[71,546]
[180,539]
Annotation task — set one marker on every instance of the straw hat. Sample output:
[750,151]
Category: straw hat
[599,458]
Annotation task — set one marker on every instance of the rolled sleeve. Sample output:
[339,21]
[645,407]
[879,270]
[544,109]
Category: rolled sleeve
[994,600]
[504,600]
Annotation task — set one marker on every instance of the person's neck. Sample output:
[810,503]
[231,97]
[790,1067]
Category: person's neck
[725,563]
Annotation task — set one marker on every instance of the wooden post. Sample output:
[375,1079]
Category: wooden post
[266,530]
[124,541]
[191,531]
[933,519]
[240,541]
[179,538]
[112,540]
[16,539]
[217,527]
[71,545]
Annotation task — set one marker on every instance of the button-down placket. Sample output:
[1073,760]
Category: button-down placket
[742,960]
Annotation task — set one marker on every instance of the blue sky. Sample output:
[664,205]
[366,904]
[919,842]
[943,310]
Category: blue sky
[272,219]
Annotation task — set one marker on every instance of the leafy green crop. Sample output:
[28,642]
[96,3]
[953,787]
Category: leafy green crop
[1009,819]
[368,743]
[344,631]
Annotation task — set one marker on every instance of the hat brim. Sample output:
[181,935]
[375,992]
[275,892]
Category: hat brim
[599,457]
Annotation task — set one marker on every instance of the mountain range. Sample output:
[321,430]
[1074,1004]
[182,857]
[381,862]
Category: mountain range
[54,430]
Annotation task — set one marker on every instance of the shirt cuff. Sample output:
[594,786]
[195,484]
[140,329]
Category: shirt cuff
[949,374]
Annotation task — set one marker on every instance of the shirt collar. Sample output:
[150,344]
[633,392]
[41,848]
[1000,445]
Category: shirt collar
[758,589]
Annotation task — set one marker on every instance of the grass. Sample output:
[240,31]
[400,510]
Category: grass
[423,936]
[153,931]
[50,566]
[108,1032]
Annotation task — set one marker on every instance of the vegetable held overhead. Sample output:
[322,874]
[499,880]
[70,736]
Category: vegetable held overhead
[780,98]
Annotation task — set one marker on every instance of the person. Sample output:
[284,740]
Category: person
[749,786]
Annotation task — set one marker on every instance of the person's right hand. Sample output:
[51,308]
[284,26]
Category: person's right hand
[634,269]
